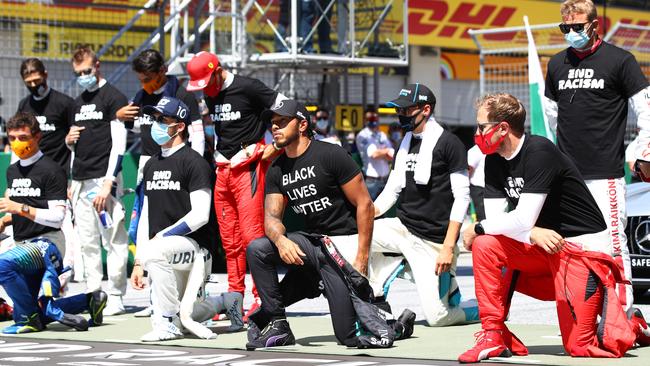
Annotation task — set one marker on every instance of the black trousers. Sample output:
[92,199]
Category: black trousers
[301,282]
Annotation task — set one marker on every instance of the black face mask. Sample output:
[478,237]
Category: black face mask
[37,90]
[408,122]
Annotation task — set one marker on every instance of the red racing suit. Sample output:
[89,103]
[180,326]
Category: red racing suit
[239,206]
[582,283]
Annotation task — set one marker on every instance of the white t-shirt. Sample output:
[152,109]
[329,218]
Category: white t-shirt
[476,159]
[368,142]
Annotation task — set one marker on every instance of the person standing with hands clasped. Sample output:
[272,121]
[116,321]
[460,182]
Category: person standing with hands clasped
[588,88]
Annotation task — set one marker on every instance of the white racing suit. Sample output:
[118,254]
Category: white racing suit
[93,236]
[177,269]
[610,197]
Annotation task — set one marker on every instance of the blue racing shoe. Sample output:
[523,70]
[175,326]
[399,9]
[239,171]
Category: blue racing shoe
[29,325]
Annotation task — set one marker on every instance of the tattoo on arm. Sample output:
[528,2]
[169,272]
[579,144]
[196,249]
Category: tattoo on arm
[273,212]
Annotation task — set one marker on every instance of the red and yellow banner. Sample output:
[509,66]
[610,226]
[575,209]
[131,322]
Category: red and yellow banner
[439,23]
[444,23]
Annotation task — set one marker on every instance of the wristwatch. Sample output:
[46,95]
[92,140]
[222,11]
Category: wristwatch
[478,228]
[24,209]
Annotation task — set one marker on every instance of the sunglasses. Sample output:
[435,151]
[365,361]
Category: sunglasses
[577,27]
[87,71]
[483,125]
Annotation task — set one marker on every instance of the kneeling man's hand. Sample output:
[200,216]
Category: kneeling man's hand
[137,277]
[468,237]
[443,262]
[547,239]
[289,251]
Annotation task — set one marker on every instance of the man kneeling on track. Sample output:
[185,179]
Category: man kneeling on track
[30,274]
[176,232]
[321,182]
[545,242]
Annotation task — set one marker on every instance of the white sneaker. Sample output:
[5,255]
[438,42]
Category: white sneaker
[165,329]
[234,302]
[144,313]
[114,306]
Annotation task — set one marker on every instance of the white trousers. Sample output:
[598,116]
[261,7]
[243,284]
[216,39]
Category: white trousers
[93,236]
[439,295]
[610,197]
[170,262]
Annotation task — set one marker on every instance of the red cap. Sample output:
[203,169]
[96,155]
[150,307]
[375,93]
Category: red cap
[200,68]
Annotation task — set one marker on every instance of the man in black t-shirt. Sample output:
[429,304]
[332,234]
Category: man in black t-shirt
[36,186]
[545,241]
[590,85]
[98,140]
[52,109]
[320,182]
[430,185]
[235,104]
[176,234]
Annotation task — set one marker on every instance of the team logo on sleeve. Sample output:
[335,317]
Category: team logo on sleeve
[162,181]
[23,188]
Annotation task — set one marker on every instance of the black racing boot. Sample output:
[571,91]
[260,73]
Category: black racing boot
[276,333]
[77,322]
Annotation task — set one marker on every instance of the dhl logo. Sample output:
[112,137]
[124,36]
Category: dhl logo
[442,19]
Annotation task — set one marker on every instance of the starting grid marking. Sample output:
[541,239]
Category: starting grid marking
[27,351]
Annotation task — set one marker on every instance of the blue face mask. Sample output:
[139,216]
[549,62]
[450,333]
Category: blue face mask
[87,81]
[577,40]
[322,124]
[159,133]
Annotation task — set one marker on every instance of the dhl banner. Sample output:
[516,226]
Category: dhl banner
[444,23]
[439,23]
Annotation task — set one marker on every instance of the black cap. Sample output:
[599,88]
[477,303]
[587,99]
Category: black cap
[287,108]
[411,95]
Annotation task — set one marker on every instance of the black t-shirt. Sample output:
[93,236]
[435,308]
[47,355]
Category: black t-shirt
[592,96]
[425,209]
[168,183]
[34,185]
[312,185]
[540,167]
[149,146]
[236,112]
[95,110]
[54,115]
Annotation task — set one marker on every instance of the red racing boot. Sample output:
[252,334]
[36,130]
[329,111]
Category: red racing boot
[639,326]
[489,343]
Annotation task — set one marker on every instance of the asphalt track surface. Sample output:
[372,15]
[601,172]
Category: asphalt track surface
[25,351]
[534,320]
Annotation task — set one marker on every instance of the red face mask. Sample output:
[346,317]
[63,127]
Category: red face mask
[213,89]
[483,142]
